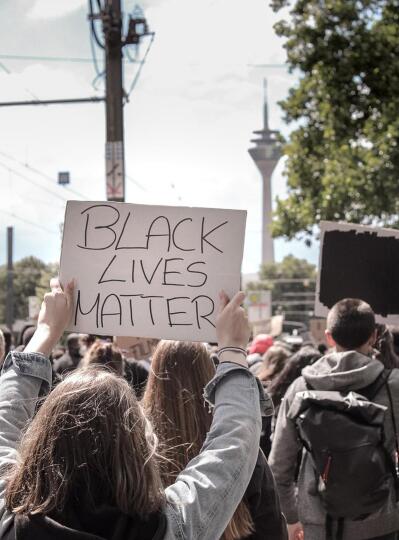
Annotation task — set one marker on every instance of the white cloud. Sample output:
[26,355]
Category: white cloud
[51,9]
[188,123]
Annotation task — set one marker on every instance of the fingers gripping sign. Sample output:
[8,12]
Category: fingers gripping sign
[232,327]
[55,314]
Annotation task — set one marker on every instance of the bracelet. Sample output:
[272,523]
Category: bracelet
[232,349]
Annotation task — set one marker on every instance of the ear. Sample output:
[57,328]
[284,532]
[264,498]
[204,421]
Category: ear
[373,338]
[330,340]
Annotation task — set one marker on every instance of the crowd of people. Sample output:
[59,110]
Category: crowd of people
[253,438]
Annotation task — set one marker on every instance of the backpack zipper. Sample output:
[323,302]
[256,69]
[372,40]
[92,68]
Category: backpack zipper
[326,470]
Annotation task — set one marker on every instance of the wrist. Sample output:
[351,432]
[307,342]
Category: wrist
[233,356]
[43,340]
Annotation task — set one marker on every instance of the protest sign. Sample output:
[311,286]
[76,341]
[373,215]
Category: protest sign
[259,306]
[359,262]
[135,347]
[152,271]
[317,329]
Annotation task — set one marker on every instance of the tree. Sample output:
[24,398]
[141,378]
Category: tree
[293,283]
[30,274]
[343,153]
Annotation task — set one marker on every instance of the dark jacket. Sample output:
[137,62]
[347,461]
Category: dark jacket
[264,504]
[105,523]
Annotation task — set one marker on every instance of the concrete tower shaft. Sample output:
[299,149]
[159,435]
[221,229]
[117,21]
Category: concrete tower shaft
[266,154]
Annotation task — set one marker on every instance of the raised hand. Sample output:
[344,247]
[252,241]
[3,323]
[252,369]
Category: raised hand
[55,314]
[232,327]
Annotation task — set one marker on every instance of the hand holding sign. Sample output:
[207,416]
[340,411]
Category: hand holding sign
[232,326]
[55,314]
[152,271]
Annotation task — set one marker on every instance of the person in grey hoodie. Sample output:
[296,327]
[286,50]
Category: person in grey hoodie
[351,331]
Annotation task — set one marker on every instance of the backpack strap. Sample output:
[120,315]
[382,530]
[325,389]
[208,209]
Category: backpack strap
[395,431]
[330,528]
[370,391]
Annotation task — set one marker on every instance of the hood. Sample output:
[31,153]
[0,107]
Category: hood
[104,523]
[349,370]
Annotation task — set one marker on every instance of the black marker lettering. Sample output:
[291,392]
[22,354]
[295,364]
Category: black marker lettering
[197,272]
[166,272]
[167,234]
[174,238]
[120,236]
[150,306]
[170,313]
[79,308]
[153,274]
[118,313]
[108,280]
[207,314]
[130,296]
[107,227]
[133,267]
[204,236]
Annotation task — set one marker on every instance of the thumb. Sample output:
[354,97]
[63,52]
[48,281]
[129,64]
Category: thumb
[55,284]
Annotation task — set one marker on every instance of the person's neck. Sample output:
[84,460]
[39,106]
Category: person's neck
[364,349]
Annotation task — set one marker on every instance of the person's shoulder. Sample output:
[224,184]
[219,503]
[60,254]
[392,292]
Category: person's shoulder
[298,385]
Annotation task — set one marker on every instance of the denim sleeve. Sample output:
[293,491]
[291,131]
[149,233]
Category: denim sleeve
[202,500]
[24,378]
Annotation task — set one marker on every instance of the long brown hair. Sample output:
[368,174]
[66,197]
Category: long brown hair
[274,360]
[89,444]
[173,400]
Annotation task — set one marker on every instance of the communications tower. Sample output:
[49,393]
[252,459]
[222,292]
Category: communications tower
[266,153]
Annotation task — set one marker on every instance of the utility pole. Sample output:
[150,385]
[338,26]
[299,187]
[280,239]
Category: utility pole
[114,147]
[10,280]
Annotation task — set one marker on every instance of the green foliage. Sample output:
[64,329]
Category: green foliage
[343,154]
[31,278]
[292,280]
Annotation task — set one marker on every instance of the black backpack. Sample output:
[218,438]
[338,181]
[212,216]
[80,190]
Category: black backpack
[344,434]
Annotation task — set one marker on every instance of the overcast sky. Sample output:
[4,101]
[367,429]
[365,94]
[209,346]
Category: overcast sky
[187,125]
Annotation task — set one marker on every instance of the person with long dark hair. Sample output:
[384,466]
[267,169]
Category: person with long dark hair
[87,465]
[174,401]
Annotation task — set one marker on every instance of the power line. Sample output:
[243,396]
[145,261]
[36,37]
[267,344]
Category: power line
[94,99]
[41,173]
[142,62]
[28,221]
[28,58]
[83,60]
[135,182]
[40,186]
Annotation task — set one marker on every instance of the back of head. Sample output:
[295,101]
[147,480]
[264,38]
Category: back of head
[260,344]
[274,361]
[351,323]
[89,445]
[173,398]
[292,369]
[73,344]
[106,354]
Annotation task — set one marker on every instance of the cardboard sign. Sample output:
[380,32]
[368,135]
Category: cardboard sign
[259,306]
[359,262]
[138,348]
[152,271]
[317,329]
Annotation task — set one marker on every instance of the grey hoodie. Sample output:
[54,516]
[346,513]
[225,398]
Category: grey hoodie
[345,371]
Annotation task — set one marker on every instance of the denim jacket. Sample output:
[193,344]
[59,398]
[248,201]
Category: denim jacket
[202,500]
